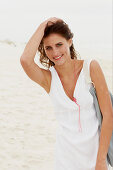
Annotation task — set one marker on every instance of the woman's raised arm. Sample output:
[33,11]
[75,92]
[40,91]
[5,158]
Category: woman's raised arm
[34,72]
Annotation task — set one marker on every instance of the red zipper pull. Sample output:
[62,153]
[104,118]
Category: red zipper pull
[80,128]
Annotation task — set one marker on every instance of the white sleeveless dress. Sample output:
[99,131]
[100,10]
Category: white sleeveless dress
[76,149]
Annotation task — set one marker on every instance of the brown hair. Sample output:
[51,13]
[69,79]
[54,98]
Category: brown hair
[59,27]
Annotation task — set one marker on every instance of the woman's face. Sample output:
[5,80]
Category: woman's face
[57,48]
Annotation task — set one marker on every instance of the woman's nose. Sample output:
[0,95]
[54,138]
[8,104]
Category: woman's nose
[55,52]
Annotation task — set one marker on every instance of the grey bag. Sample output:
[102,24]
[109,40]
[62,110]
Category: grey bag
[98,111]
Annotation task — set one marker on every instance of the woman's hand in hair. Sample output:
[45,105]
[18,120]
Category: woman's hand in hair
[51,20]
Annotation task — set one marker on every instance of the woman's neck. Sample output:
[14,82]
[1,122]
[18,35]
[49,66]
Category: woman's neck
[67,69]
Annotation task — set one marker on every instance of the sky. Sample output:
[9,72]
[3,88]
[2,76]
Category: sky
[89,20]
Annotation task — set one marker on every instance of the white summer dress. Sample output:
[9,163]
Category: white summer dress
[77,136]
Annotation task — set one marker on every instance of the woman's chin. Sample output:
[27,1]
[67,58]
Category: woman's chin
[59,63]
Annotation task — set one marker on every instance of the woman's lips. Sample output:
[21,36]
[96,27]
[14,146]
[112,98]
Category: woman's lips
[58,57]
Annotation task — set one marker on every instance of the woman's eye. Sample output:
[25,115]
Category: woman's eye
[59,44]
[48,48]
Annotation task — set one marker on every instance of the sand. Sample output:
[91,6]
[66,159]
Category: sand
[27,120]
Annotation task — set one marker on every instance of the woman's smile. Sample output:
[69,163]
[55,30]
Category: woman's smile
[58,57]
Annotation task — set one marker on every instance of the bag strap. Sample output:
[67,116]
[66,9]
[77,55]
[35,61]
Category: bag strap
[87,71]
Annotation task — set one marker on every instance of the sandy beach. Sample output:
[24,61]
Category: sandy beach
[27,120]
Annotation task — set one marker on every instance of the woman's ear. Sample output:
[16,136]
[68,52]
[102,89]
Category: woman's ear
[70,42]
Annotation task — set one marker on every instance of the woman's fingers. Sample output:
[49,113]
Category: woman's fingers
[52,20]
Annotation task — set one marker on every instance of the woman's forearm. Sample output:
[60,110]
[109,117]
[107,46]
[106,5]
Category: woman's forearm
[33,44]
[105,137]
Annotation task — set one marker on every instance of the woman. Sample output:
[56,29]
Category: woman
[76,149]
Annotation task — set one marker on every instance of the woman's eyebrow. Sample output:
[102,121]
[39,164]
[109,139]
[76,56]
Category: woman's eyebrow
[55,44]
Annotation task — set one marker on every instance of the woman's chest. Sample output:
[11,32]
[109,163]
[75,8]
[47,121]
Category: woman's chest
[61,96]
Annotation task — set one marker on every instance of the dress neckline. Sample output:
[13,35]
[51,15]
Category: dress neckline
[75,87]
